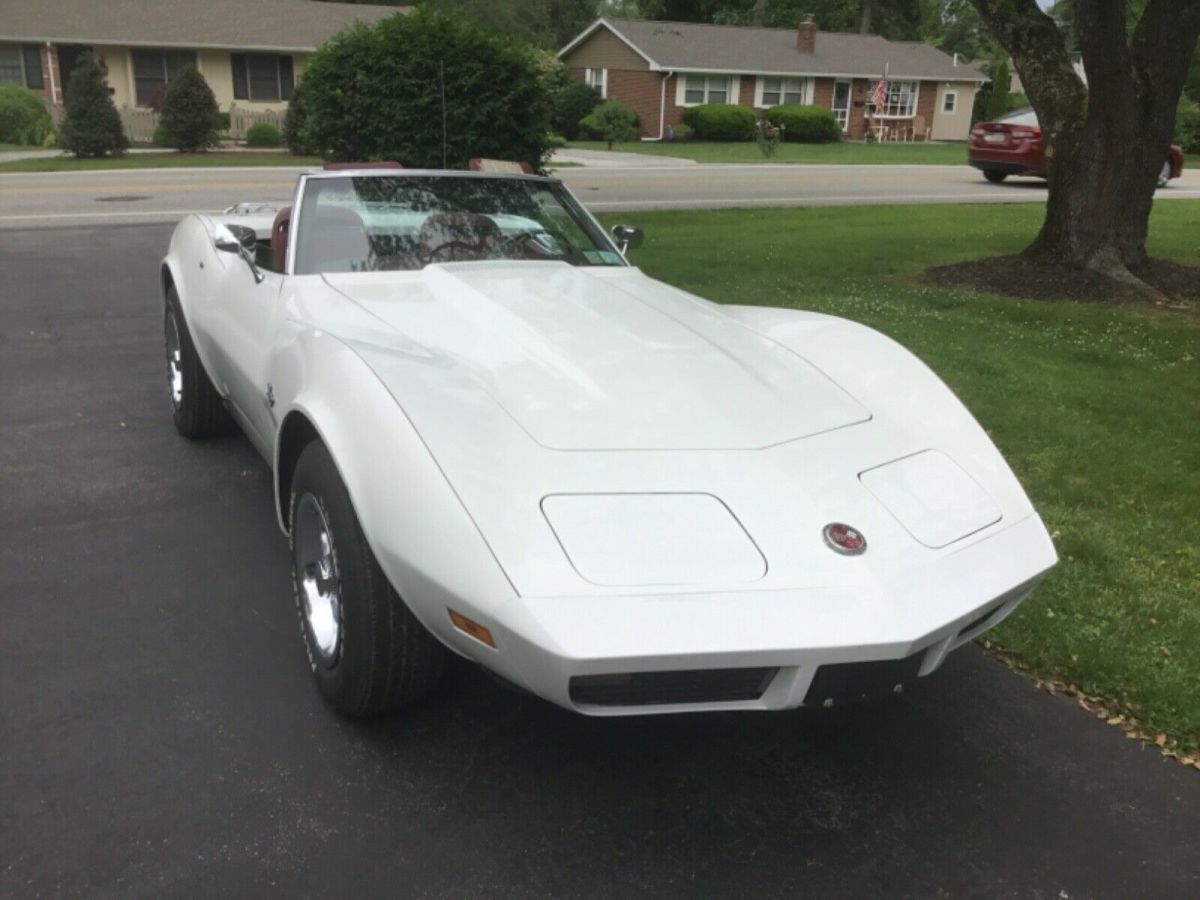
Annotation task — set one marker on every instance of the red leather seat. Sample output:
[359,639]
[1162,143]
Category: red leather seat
[279,238]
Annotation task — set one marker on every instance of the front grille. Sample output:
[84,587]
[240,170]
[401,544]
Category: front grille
[660,688]
[839,683]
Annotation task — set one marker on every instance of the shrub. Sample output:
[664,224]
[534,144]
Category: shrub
[683,132]
[91,125]
[23,117]
[295,124]
[426,90]
[189,116]
[721,122]
[263,134]
[610,121]
[223,122]
[1187,125]
[555,141]
[571,103]
[805,124]
[160,137]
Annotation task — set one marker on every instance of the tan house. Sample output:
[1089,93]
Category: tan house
[662,68]
[250,51]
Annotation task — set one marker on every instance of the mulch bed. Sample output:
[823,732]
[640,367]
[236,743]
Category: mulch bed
[1015,276]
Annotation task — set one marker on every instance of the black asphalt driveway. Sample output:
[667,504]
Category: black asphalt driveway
[159,735]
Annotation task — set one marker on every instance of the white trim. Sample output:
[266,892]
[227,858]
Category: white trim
[806,89]
[953,111]
[732,95]
[176,45]
[591,29]
[587,77]
[51,62]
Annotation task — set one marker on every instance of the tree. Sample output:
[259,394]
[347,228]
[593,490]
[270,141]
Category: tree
[1104,157]
[997,103]
[189,116]
[572,102]
[91,124]
[425,90]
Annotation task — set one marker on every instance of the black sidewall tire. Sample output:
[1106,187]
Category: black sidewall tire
[386,658]
[201,412]
[993,176]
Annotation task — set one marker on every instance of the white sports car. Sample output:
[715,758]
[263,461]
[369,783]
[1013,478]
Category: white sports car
[491,436]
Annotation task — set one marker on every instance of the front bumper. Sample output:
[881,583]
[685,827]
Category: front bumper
[771,644]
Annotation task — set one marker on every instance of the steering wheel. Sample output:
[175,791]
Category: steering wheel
[473,249]
[527,237]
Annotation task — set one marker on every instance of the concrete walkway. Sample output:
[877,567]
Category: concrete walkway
[615,160]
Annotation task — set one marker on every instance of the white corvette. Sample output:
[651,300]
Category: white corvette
[493,437]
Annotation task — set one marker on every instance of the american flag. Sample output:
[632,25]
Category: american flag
[879,95]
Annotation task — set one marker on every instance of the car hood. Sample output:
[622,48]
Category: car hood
[596,358]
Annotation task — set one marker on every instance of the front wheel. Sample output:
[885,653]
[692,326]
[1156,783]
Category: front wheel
[994,176]
[198,409]
[368,652]
[1164,174]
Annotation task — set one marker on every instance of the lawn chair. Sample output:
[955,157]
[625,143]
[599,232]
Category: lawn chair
[920,131]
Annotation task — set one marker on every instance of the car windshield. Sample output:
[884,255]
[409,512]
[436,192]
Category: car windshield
[372,223]
[1020,117]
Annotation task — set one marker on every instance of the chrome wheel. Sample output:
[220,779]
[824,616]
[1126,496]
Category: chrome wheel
[174,361]
[1165,174]
[317,584]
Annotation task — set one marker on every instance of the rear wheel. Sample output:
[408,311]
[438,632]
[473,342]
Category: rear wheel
[197,407]
[1164,174]
[368,652]
[995,176]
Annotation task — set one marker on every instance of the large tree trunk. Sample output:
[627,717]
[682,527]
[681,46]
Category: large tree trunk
[864,17]
[759,15]
[1104,153]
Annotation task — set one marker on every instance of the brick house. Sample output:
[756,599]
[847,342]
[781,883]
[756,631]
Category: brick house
[250,53]
[662,68]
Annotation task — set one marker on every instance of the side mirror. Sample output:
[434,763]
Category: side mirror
[240,240]
[627,237]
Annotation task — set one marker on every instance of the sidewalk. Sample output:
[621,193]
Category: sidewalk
[616,160]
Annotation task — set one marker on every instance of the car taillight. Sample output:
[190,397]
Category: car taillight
[1022,135]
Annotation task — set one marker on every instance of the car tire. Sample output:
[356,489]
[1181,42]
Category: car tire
[198,409]
[994,176]
[1164,174]
[368,652]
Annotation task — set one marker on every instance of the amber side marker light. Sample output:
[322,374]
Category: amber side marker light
[473,628]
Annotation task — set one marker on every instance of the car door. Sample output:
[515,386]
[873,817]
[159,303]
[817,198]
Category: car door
[243,313]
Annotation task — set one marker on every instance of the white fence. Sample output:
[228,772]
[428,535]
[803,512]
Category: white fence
[139,124]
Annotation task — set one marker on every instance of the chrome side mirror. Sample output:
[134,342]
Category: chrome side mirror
[233,239]
[627,237]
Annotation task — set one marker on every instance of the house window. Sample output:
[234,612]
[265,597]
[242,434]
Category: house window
[901,100]
[598,79]
[153,70]
[21,65]
[950,102]
[262,77]
[705,89]
[782,90]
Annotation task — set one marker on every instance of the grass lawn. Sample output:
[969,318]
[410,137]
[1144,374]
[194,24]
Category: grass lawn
[841,154]
[6,147]
[1097,409]
[159,161]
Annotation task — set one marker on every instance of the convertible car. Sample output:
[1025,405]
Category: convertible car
[491,436]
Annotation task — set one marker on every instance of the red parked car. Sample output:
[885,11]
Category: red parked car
[1013,146]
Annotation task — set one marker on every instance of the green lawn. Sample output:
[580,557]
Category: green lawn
[6,147]
[841,154]
[1097,408]
[159,161]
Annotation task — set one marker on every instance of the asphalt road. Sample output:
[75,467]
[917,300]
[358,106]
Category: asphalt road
[161,195]
[159,735]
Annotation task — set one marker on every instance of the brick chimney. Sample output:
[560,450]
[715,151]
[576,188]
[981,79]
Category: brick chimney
[806,34]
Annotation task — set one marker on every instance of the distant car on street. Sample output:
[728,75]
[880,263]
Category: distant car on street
[1013,146]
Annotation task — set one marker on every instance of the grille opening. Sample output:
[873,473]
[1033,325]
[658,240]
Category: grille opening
[662,688]
[975,623]
[836,684]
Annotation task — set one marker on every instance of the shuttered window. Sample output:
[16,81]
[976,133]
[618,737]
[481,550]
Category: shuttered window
[21,65]
[153,70]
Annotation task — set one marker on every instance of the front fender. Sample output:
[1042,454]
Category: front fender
[420,532]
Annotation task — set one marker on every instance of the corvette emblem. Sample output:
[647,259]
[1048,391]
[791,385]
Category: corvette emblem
[843,539]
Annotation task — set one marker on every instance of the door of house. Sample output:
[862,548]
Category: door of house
[841,102]
[68,55]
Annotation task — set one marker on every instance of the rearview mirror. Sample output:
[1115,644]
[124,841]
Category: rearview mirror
[240,240]
[627,237]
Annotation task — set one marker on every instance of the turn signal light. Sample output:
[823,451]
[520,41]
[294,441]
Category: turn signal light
[473,628]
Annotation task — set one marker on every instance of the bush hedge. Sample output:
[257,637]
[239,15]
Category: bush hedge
[426,90]
[23,117]
[190,115]
[91,124]
[1187,125]
[805,124]
[610,121]
[263,134]
[572,102]
[720,122]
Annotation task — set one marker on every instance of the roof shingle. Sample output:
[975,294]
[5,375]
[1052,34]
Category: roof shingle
[296,25]
[738,48]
